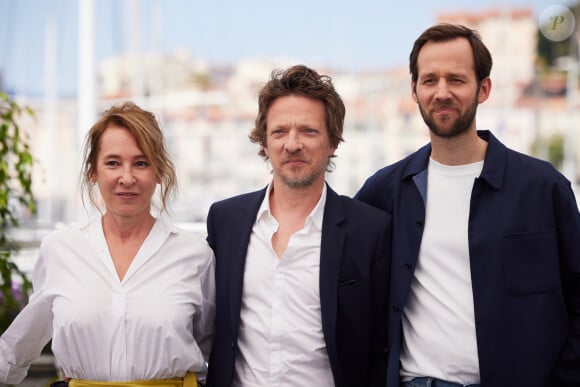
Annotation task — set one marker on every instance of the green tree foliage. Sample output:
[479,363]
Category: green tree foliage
[15,193]
[550,148]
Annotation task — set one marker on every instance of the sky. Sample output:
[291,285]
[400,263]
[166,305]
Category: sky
[353,35]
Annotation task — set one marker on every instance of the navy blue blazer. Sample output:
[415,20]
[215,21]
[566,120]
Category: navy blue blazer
[354,264]
[524,247]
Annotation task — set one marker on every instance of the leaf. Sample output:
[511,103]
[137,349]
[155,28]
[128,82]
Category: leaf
[16,164]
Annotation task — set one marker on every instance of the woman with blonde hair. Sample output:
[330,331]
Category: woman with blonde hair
[128,298]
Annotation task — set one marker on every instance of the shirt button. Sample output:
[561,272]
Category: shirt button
[408,266]
[419,224]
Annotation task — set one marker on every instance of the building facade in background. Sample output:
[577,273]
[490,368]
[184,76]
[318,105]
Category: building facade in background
[207,113]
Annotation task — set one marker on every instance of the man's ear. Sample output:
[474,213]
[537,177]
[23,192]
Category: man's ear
[484,90]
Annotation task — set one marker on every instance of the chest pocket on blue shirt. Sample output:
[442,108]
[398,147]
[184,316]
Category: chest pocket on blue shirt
[530,262]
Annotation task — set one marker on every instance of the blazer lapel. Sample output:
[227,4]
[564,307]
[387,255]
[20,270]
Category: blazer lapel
[240,241]
[331,249]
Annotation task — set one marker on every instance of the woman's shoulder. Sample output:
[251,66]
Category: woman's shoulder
[71,231]
[188,235]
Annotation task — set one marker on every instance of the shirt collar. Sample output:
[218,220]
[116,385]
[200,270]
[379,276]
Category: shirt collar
[494,164]
[315,217]
[317,213]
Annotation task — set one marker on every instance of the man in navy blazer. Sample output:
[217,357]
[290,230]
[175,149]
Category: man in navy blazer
[301,272]
[485,270]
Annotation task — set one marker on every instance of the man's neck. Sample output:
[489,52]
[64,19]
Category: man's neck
[293,202]
[464,149]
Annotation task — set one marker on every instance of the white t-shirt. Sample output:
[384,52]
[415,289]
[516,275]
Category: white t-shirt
[156,323]
[438,320]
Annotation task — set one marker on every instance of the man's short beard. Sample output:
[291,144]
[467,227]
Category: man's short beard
[298,183]
[462,125]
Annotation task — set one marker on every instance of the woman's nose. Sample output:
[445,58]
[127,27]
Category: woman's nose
[127,177]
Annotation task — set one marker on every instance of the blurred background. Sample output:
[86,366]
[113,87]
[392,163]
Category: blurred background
[198,65]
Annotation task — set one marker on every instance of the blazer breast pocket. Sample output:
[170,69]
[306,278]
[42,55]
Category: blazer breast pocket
[346,282]
[530,262]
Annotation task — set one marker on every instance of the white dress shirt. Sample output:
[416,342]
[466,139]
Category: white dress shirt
[156,323]
[280,341]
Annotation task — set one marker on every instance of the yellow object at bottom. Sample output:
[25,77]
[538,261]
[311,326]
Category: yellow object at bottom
[189,380]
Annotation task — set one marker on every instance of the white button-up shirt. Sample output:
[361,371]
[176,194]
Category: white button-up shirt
[156,323]
[280,340]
